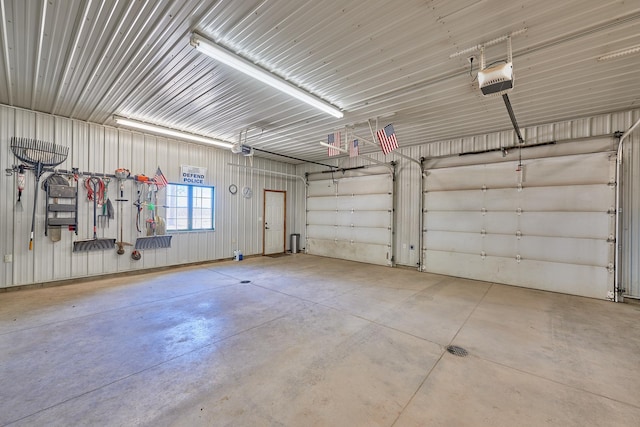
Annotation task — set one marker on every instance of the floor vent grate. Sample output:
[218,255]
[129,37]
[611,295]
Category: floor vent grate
[457,351]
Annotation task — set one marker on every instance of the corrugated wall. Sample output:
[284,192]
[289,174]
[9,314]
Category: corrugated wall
[238,221]
[96,148]
[630,231]
[408,194]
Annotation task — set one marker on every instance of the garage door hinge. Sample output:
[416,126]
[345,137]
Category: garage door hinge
[611,268]
[612,184]
[611,211]
[611,239]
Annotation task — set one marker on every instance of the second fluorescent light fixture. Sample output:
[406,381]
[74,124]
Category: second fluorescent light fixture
[229,58]
[171,132]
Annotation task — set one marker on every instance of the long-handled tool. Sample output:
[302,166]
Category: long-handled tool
[39,154]
[94,244]
[121,176]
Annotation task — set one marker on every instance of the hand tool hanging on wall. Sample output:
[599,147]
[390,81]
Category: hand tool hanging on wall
[39,154]
[121,175]
[21,179]
[153,240]
[107,207]
[57,186]
[138,203]
[94,244]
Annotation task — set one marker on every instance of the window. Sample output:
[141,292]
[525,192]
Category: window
[189,207]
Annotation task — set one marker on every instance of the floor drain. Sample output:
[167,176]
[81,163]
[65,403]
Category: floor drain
[245,281]
[457,351]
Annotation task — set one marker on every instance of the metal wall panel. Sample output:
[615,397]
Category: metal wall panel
[630,215]
[8,217]
[102,149]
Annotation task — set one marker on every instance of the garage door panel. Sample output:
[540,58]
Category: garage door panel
[574,198]
[379,219]
[496,175]
[454,242]
[378,236]
[503,199]
[594,225]
[470,222]
[453,200]
[321,218]
[565,250]
[568,170]
[501,222]
[371,202]
[327,232]
[321,203]
[321,188]
[548,276]
[501,245]
[372,254]
[375,184]
[462,178]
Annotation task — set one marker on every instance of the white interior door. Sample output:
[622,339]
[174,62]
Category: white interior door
[549,227]
[274,222]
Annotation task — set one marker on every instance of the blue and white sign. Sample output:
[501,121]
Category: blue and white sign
[193,175]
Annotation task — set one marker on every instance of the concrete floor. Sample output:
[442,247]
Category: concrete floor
[314,342]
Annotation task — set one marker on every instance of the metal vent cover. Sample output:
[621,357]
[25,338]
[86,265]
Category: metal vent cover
[457,351]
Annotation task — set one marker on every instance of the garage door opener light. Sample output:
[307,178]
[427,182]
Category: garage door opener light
[496,80]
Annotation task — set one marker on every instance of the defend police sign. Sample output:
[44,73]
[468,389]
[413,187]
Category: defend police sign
[193,175]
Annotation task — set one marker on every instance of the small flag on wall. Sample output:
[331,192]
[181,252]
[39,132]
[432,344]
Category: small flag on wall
[354,150]
[387,139]
[160,179]
[334,139]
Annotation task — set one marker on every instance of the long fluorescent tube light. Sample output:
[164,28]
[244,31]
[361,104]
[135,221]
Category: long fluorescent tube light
[231,59]
[171,132]
[621,52]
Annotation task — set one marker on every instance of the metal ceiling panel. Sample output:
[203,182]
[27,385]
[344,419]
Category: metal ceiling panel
[375,59]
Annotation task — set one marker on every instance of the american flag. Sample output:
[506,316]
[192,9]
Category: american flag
[387,139]
[354,150]
[160,179]
[334,139]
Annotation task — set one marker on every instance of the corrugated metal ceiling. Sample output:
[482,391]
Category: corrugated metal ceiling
[92,59]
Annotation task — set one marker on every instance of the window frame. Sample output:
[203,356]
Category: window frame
[190,208]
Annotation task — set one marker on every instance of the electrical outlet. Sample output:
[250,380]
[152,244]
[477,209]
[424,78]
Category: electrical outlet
[8,258]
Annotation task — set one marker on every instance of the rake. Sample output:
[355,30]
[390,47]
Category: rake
[94,244]
[39,154]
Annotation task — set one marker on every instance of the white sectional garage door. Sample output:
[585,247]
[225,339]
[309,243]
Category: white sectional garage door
[350,218]
[550,227]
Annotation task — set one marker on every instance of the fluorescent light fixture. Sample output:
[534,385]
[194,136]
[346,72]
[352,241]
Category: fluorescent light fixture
[171,132]
[621,52]
[231,59]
